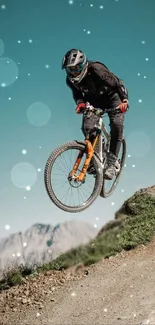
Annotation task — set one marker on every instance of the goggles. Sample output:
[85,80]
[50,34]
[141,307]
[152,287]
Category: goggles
[76,69]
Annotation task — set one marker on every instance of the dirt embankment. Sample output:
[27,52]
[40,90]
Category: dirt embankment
[119,290]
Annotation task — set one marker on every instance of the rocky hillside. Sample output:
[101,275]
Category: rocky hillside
[75,242]
[120,287]
[142,203]
[42,243]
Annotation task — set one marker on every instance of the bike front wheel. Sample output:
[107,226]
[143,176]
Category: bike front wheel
[68,195]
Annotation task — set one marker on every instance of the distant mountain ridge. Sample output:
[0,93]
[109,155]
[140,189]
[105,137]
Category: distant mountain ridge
[43,242]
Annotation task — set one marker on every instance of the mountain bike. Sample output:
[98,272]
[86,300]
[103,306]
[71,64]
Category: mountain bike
[82,156]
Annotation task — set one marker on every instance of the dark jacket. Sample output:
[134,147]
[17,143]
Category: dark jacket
[99,85]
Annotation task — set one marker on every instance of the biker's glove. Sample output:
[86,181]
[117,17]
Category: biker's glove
[124,106]
[80,108]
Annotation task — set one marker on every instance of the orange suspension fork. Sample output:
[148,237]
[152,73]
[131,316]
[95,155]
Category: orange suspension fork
[77,163]
[90,152]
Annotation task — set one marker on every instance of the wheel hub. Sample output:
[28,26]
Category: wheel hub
[74,182]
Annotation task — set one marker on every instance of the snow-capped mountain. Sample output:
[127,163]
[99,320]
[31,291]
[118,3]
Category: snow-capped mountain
[41,243]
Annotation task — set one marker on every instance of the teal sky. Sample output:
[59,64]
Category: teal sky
[34,36]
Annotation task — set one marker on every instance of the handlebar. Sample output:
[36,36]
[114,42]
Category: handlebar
[99,111]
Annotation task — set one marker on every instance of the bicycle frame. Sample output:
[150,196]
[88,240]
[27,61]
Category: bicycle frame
[101,133]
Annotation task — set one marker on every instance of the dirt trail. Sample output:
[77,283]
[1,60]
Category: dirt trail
[119,290]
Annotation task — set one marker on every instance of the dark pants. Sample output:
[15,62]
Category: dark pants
[116,124]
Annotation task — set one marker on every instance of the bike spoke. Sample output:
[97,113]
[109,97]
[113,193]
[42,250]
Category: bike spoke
[61,169]
[62,158]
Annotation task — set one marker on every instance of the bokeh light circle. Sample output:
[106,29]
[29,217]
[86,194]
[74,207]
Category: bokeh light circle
[9,72]
[138,144]
[1,47]
[23,175]
[38,114]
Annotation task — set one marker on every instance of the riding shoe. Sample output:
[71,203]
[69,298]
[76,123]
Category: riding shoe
[112,166]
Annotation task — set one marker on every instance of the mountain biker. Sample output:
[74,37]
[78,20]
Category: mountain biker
[93,82]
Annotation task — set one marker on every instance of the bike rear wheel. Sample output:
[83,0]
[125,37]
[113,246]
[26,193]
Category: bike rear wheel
[105,192]
[58,156]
